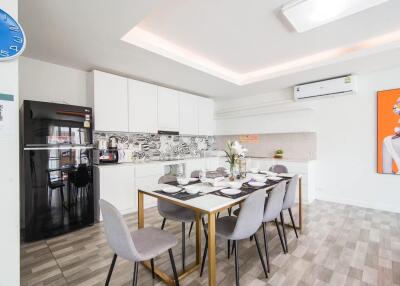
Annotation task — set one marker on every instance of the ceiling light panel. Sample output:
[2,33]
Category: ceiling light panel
[305,15]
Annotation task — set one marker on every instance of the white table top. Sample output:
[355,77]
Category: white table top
[205,203]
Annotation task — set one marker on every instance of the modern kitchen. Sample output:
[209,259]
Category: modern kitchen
[174,144]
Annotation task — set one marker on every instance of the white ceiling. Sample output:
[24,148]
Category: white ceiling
[241,36]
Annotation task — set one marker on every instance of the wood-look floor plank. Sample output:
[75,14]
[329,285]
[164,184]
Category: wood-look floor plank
[340,245]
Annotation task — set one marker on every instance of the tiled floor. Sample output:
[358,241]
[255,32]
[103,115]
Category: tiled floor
[341,245]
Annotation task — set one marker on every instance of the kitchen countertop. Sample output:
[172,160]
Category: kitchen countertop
[164,163]
[179,161]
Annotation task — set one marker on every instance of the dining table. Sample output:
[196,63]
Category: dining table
[208,202]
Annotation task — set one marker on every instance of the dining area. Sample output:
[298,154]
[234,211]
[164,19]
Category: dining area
[220,213]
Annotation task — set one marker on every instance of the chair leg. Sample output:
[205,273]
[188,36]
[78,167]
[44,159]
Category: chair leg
[111,269]
[204,258]
[261,256]
[291,218]
[230,211]
[183,246]
[264,227]
[229,249]
[204,228]
[190,229]
[171,257]
[236,262]
[284,231]
[135,273]
[233,248]
[152,268]
[280,236]
[62,196]
[218,214]
[163,223]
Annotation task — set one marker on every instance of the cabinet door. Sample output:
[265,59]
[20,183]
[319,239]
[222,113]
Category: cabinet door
[117,186]
[142,99]
[213,163]
[206,116]
[194,165]
[168,109]
[146,183]
[110,99]
[188,114]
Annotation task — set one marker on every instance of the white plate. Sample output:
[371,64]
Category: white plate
[193,179]
[268,173]
[254,170]
[256,184]
[231,191]
[170,189]
[274,178]
[192,189]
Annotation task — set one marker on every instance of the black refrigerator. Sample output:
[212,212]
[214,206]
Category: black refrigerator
[57,169]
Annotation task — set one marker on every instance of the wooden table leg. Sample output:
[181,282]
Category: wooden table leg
[140,210]
[198,238]
[300,207]
[212,261]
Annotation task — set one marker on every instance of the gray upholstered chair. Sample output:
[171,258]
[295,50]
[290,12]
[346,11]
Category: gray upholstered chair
[141,245]
[288,202]
[273,209]
[175,213]
[279,169]
[195,174]
[242,227]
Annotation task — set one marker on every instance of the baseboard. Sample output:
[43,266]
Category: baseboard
[344,201]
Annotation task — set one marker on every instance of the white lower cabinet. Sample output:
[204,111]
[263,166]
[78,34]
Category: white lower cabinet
[116,184]
[194,165]
[212,163]
[147,175]
[144,183]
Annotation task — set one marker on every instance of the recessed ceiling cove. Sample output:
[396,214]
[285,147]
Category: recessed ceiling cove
[244,42]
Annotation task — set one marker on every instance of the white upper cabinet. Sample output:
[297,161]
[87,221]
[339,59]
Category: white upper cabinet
[188,114]
[110,101]
[206,116]
[168,109]
[142,100]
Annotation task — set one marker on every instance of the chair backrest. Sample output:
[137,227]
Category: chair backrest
[290,196]
[274,203]
[250,216]
[279,169]
[164,206]
[221,170]
[117,232]
[195,174]
[82,176]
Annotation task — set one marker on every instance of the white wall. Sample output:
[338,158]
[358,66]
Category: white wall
[346,140]
[9,173]
[45,81]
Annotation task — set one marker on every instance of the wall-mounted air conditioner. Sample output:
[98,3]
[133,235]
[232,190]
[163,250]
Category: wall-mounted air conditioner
[334,86]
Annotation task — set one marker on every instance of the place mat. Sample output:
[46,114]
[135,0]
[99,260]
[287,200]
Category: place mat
[175,183]
[246,189]
[181,195]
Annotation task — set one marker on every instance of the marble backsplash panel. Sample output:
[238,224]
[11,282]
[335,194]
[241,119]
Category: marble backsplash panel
[302,145]
[145,146]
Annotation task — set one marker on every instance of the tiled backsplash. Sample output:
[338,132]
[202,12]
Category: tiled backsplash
[302,145]
[144,146]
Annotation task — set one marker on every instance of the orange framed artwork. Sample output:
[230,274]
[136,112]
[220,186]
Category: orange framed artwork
[388,113]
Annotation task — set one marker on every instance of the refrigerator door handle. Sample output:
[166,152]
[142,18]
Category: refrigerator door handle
[60,148]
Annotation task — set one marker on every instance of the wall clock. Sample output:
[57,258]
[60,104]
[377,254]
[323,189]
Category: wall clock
[12,37]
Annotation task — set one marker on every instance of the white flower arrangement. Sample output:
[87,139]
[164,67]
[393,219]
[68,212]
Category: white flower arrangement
[233,151]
